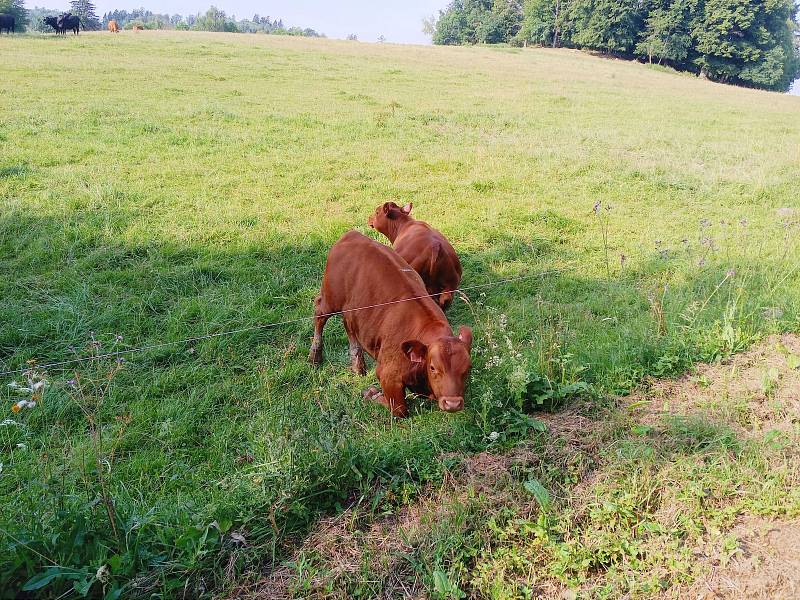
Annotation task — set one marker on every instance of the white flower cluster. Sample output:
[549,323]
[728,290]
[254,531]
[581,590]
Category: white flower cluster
[33,388]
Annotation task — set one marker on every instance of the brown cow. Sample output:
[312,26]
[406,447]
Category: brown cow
[411,341]
[425,249]
[113,27]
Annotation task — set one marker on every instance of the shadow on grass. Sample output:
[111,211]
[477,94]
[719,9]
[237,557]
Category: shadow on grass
[239,430]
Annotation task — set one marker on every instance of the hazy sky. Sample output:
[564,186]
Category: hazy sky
[397,20]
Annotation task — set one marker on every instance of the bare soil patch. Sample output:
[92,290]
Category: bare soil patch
[765,567]
[753,391]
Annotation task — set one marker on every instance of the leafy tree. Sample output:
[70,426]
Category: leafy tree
[36,16]
[214,19]
[488,29]
[16,8]
[476,21]
[429,25]
[451,27]
[607,25]
[509,14]
[747,42]
[546,22]
[86,11]
[667,32]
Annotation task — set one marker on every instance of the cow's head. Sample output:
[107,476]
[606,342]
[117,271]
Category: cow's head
[386,214]
[445,366]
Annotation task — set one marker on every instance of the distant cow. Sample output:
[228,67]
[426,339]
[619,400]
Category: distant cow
[113,27]
[411,341]
[424,248]
[52,22]
[7,23]
[138,28]
[69,22]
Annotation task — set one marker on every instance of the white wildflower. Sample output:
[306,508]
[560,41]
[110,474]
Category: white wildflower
[103,574]
[23,404]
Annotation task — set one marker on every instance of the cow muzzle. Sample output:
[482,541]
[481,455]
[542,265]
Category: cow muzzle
[451,403]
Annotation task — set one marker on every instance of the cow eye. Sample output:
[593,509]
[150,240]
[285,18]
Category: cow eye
[433,369]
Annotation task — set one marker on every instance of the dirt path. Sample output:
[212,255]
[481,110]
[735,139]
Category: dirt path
[766,566]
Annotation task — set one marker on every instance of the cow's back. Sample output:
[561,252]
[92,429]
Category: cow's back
[431,255]
[360,273]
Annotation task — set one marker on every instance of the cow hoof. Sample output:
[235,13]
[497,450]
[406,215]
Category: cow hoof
[373,394]
[360,369]
[315,357]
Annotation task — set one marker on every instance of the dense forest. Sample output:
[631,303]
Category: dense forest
[213,19]
[745,42]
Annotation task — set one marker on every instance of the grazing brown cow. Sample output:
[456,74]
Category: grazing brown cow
[412,342]
[425,249]
[113,27]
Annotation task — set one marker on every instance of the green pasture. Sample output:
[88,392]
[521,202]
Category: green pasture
[160,186]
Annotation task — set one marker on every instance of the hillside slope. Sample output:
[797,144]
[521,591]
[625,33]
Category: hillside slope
[161,186]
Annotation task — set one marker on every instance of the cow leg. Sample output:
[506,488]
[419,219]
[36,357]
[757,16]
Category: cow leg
[393,396]
[320,318]
[356,354]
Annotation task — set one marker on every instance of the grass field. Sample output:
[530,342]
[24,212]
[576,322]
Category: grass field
[162,186]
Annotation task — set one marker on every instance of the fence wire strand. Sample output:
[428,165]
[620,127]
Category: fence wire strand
[194,339]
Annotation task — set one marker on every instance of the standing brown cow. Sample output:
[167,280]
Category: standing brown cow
[411,341]
[113,27]
[425,249]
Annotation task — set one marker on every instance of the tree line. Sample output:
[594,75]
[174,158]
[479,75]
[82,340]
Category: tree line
[213,19]
[745,42]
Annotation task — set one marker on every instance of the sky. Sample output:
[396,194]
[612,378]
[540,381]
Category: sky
[398,21]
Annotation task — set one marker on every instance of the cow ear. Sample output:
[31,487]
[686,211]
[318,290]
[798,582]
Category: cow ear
[416,351]
[407,208]
[387,208]
[465,335]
